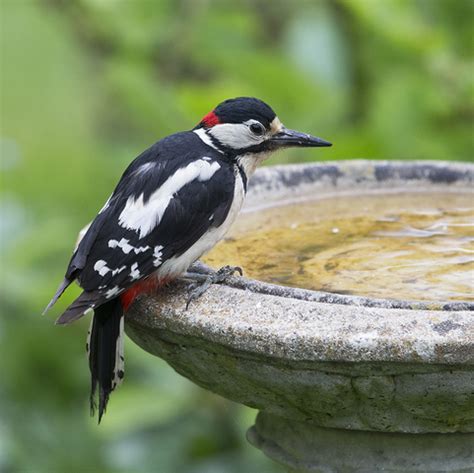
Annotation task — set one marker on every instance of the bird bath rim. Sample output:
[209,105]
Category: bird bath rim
[438,175]
[298,324]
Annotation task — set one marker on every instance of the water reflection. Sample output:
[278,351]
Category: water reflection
[415,246]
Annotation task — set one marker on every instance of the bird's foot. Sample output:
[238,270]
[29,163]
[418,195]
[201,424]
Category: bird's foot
[220,276]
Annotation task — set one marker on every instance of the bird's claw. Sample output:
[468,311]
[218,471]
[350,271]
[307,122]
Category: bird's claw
[198,289]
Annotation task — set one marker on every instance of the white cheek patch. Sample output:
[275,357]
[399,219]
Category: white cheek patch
[235,135]
[144,217]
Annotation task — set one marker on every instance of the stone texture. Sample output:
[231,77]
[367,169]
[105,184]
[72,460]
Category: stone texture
[307,448]
[366,390]
[302,330]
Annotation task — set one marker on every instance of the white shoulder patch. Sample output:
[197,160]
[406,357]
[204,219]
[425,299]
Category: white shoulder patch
[201,132]
[144,217]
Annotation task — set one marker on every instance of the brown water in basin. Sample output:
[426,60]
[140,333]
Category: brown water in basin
[416,246]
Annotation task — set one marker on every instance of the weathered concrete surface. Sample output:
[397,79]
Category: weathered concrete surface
[370,369]
[301,330]
[306,448]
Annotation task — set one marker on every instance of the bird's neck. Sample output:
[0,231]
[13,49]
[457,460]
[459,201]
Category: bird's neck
[209,140]
[248,161]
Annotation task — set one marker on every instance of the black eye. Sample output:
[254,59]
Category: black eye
[257,129]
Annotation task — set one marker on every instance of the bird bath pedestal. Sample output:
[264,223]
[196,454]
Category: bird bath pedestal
[342,383]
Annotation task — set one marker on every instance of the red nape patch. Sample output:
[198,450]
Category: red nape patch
[210,120]
[145,286]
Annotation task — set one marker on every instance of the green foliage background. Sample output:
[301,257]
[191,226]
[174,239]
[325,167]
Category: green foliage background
[88,84]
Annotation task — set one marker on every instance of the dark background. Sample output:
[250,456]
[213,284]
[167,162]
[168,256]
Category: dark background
[87,85]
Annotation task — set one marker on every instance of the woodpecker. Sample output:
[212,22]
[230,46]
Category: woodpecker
[173,203]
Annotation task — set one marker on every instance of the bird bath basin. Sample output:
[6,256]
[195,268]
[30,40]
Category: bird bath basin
[363,379]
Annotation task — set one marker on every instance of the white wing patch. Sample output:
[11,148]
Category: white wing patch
[144,217]
[126,247]
[101,267]
[134,272]
[157,254]
[112,292]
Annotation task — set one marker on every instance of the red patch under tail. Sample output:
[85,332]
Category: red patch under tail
[145,286]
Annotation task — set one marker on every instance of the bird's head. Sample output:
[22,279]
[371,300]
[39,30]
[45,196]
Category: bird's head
[248,126]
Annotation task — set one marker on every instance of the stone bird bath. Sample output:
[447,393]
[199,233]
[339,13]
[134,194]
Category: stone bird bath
[343,383]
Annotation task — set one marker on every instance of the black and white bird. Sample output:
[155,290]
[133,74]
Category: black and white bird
[173,203]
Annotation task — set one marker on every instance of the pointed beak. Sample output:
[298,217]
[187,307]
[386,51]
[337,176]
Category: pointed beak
[286,138]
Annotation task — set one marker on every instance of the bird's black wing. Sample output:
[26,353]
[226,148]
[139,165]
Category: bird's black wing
[120,256]
[80,254]
[132,180]
[160,208]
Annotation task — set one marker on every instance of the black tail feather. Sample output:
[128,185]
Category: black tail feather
[62,287]
[86,301]
[105,348]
